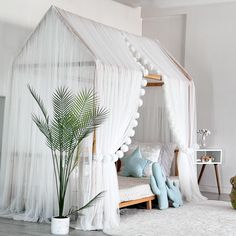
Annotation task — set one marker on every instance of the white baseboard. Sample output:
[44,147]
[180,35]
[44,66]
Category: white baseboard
[214,189]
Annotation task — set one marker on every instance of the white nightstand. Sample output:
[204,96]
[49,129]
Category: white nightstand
[216,160]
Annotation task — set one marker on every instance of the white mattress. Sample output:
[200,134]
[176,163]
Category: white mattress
[134,188]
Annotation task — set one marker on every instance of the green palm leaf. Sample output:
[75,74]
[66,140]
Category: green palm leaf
[74,118]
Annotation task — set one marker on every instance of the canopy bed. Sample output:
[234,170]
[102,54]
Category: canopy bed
[66,49]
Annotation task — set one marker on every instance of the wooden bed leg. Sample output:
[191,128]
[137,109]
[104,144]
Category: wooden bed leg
[149,204]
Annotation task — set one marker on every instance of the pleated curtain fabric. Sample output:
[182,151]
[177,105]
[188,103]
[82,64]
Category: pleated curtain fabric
[52,57]
[179,96]
[153,122]
[66,50]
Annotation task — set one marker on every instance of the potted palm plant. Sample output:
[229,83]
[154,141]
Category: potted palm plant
[74,118]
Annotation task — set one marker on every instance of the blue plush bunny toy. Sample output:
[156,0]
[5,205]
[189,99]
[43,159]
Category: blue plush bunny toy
[165,189]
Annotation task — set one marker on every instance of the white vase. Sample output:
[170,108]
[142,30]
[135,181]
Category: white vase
[203,144]
[60,226]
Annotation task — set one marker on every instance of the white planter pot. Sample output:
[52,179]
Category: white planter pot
[60,226]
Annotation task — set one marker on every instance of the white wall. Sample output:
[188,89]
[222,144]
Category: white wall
[170,31]
[19,18]
[2,105]
[210,57]
[28,13]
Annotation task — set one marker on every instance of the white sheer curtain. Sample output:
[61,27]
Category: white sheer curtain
[78,53]
[118,81]
[180,103]
[52,57]
[110,137]
[182,121]
[153,122]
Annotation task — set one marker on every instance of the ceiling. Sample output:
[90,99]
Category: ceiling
[169,3]
[135,3]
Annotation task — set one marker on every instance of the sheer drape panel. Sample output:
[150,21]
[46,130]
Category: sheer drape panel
[120,96]
[118,84]
[181,111]
[106,43]
[182,121]
[120,93]
[153,122]
[68,50]
[193,141]
[52,57]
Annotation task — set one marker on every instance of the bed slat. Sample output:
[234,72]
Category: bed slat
[148,200]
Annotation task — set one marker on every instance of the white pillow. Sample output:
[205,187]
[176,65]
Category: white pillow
[166,157]
[148,170]
[149,151]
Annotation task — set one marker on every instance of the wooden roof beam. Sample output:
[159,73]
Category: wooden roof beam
[156,84]
[153,76]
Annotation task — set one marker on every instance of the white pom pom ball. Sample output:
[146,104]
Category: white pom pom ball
[119,153]
[128,141]
[114,157]
[124,148]
[142,92]
[137,115]
[134,123]
[131,133]
[140,102]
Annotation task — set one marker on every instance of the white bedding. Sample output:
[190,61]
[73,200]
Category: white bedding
[135,188]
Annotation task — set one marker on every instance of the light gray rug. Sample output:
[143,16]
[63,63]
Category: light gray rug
[207,218]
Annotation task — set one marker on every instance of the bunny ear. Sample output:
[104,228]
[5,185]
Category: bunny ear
[232,180]
[167,187]
[169,183]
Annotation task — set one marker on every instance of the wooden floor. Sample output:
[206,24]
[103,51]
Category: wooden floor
[18,228]
[215,196]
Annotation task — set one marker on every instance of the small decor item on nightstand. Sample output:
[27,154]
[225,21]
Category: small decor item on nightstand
[207,158]
[204,133]
[233,192]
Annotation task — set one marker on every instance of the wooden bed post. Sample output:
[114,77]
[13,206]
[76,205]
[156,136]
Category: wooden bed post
[149,205]
[176,162]
[94,149]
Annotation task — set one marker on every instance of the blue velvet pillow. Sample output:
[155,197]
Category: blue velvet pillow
[134,164]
